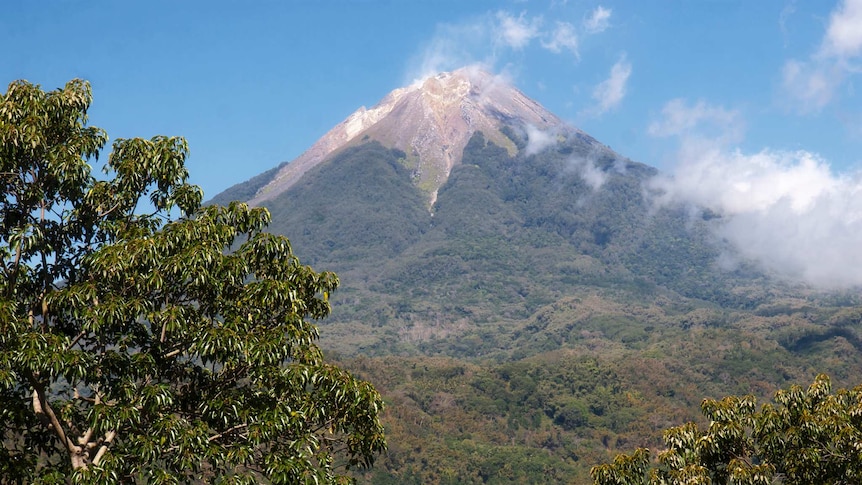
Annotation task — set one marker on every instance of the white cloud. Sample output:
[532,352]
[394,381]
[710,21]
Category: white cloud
[491,38]
[784,209]
[563,37]
[592,175]
[733,183]
[453,46]
[517,32]
[538,140]
[787,210]
[598,21]
[813,84]
[844,34]
[610,92]
[502,39]
[680,118]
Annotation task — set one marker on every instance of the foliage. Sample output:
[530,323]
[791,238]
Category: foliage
[136,345]
[803,437]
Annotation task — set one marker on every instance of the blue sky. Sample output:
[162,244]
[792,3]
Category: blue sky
[752,102]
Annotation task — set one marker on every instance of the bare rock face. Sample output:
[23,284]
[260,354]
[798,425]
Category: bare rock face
[431,122]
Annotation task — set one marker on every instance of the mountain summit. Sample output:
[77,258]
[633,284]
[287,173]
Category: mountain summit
[431,121]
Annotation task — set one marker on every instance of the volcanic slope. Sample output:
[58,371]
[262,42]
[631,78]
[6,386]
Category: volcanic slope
[521,210]
[522,304]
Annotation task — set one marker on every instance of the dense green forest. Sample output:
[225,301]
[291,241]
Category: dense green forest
[171,346]
[537,321]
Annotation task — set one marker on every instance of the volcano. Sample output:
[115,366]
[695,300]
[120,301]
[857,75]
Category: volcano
[460,185]
[513,289]
[431,121]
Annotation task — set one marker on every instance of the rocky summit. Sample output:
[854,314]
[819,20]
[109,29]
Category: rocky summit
[431,122]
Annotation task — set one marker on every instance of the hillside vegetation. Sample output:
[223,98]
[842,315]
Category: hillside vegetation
[544,314]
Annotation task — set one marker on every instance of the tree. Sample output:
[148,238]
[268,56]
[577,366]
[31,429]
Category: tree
[804,437]
[146,338]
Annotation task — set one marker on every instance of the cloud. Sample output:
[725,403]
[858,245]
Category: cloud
[598,21]
[785,14]
[680,118]
[453,46]
[813,84]
[491,39]
[610,92]
[592,175]
[563,38]
[732,182]
[844,34]
[538,140]
[517,32]
[786,209]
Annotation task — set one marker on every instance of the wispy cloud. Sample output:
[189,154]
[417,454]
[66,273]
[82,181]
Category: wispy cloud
[609,93]
[785,14]
[785,209]
[563,37]
[517,32]
[844,34]
[489,39]
[453,46]
[585,166]
[598,21]
[701,119]
[812,84]
[587,169]
[538,140]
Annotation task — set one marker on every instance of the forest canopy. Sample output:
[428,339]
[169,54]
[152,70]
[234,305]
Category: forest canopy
[145,337]
[803,437]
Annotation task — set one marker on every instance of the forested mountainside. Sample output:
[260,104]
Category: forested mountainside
[545,313]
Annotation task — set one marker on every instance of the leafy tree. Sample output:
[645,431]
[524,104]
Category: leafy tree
[804,437]
[144,338]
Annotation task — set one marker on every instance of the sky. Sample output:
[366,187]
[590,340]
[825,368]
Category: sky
[747,107]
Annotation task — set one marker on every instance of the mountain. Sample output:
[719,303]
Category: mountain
[430,121]
[513,289]
[461,177]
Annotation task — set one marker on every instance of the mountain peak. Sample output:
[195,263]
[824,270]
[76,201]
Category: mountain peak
[431,121]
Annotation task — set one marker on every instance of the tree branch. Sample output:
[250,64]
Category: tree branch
[164,332]
[328,424]
[109,438]
[174,353]
[14,275]
[42,408]
[85,440]
[75,340]
[40,413]
[214,437]
[227,431]
[103,214]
